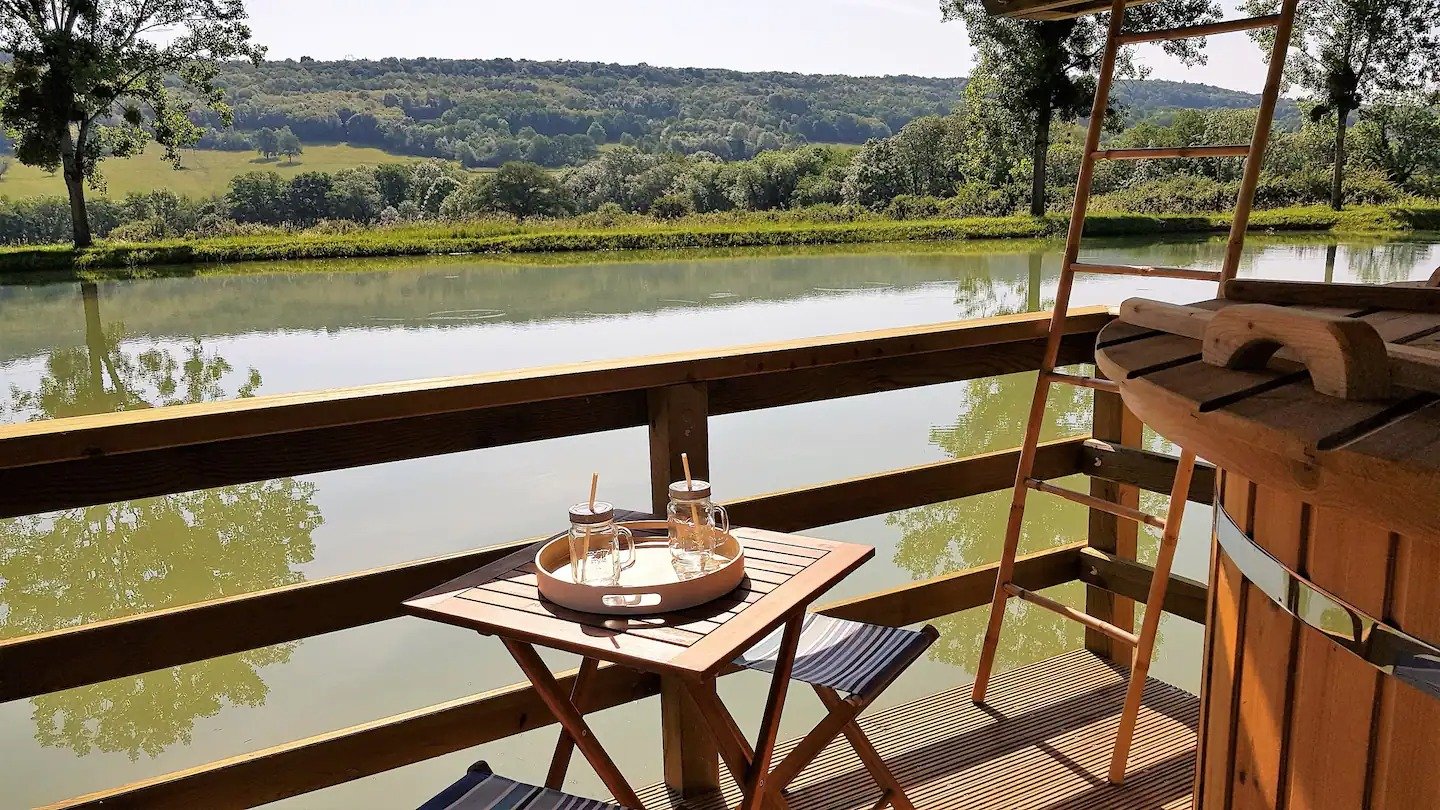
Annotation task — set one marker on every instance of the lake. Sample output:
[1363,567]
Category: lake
[68,348]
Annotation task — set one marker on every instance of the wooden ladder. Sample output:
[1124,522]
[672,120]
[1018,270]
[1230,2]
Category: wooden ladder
[1142,644]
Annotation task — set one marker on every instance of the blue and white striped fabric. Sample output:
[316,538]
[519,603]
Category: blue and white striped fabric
[481,789]
[843,655]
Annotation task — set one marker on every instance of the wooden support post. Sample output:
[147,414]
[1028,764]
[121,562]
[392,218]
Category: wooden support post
[1112,422]
[678,424]
[692,764]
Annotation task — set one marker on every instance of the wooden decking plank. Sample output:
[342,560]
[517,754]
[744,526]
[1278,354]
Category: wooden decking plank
[1042,741]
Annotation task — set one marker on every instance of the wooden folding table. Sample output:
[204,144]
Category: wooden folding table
[785,573]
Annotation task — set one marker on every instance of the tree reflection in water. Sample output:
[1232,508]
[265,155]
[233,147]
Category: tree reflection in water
[960,534]
[82,565]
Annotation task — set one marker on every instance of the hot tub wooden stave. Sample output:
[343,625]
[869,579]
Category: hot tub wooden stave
[1347,496]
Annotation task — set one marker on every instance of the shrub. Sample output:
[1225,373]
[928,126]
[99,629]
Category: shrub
[912,206]
[672,206]
[149,229]
[983,200]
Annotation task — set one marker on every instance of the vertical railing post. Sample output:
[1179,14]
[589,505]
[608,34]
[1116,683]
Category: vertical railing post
[1112,422]
[679,424]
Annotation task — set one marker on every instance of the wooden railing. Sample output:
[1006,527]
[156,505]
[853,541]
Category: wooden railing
[98,459]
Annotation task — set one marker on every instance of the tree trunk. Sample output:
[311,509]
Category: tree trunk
[1337,179]
[74,171]
[1039,154]
[94,336]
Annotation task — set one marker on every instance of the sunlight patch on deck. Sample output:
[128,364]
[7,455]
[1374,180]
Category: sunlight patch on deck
[1042,742]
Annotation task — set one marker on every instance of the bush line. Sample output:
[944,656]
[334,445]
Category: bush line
[441,238]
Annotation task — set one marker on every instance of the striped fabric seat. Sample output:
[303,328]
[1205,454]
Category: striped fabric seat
[843,655]
[481,789]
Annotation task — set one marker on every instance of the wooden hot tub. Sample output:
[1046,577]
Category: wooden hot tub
[1322,682]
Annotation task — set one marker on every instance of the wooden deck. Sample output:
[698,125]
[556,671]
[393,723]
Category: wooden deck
[1042,743]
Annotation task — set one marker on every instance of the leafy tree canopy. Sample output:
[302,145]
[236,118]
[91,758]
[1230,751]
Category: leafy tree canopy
[87,79]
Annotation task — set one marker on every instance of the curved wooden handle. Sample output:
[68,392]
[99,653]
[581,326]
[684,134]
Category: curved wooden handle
[1346,357]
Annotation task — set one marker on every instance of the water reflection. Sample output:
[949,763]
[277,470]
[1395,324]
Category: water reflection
[103,375]
[83,565]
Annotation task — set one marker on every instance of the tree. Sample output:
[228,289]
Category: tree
[355,195]
[1343,51]
[597,133]
[1041,72]
[526,190]
[257,197]
[267,143]
[287,144]
[307,198]
[87,80]
[1401,137]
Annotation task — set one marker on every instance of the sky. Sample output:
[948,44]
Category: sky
[857,37]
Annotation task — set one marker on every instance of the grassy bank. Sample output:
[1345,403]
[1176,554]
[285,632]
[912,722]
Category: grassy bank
[755,231]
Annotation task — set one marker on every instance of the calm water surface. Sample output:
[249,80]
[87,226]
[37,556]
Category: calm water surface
[67,349]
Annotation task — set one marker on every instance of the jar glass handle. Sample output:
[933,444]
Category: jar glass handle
[629,545]
[724,522]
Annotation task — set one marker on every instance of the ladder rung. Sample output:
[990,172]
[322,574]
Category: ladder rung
[1143,270]
[1119,634]
[1097,383]
[1152,152]
[1187,31]
[1109,507]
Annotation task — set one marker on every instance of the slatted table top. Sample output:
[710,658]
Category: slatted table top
[784,574]
[1380,456]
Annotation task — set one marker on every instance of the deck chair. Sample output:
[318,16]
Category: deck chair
[481,789]
[838,655]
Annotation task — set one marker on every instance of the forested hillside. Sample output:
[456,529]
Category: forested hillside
[487,112]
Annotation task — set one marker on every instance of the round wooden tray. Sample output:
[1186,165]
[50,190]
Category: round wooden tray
[651,585]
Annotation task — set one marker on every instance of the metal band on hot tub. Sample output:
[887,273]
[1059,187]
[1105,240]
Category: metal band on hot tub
[1386,648]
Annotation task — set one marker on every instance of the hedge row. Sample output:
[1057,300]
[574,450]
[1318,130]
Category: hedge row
[451,239]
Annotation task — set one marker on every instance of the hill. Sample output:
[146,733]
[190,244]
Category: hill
[483,112]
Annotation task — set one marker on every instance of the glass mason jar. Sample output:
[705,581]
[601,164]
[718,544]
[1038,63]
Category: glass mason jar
[695,526]
[599,549]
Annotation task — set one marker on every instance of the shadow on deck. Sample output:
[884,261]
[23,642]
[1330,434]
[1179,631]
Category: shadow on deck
[1042,742]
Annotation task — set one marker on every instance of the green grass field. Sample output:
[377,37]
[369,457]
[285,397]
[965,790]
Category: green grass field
[205,172]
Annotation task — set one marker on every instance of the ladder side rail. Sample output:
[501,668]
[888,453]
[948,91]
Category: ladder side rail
[1264,118]
[1016,518]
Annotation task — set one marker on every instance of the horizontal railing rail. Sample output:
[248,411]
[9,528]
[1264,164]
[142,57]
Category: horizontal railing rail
[108,457]
[100,651]
[87,460]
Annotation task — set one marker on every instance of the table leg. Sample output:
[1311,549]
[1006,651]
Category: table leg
[565,745]
[572,721]
[734,748]
[757,786]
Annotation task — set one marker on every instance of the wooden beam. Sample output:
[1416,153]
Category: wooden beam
[1111,421]
[930,599]
[84,437]
[75,656]
[881,493]
[85,460]
[1150,471]
[679,423]
[282,771]
[1184,597]
[90,653]
[795,386]
[1329,294]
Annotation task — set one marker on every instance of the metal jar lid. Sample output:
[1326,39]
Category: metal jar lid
[696,490]
[583,514]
